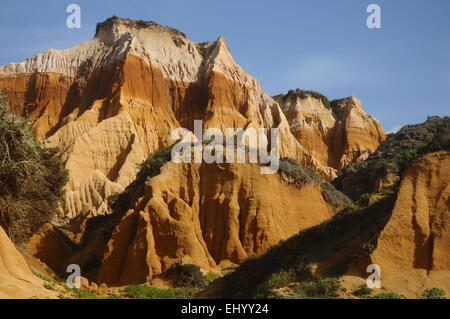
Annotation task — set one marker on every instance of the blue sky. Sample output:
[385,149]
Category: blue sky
[400,72]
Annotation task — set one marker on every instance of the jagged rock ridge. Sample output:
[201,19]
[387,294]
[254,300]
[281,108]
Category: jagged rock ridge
[110,102]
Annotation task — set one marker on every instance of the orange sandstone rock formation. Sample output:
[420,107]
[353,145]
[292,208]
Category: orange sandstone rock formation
[417,235]
[16,279]
[110,102]
[413,249]
[335,135]
[205,214]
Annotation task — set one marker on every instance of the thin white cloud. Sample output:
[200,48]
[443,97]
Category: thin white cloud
[336,71]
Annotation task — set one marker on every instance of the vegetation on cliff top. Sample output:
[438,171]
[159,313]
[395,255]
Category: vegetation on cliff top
[303,94]
[393,156]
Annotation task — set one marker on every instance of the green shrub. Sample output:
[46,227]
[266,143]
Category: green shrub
[147,292]
[211,277]
[433,293]
[299,174]
[362,291]
[406,156]
[228,270]
[275,281]
[364,199]
[31,178]
[319,288]
[83,294]
[315,94]
[367,249]
[338,269]
[188,275]
[148,169]
[393,156]
[388,295]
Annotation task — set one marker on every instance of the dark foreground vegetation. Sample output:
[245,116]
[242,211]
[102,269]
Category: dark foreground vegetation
[31,178]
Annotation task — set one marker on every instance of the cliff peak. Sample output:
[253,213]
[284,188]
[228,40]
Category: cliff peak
[113,23]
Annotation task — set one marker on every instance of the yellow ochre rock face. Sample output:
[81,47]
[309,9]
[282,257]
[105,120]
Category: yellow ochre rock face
[335,135]
[110,102]
[413,249]
[417,235]
[16,278]
[207,214]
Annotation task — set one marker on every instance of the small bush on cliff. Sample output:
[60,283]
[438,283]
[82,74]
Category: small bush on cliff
[388,295]
[146,292]
[31,178]
[211,277]
[406,156]
[367,249]
[148,169]
[393,156]
[299,175]
[277,280]
[433,293]
[187,275]
[319,288]
[83,294]
[291,171]
[362,292]
[315,94]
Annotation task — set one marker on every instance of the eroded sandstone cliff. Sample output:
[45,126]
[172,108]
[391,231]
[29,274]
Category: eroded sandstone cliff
[418,233]
[16,278]
[412,250]
[399,224]
[109,102]
[337,133]
[205,214]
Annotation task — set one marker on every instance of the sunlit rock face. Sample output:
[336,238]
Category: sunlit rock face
[335,135]
[16,279]
[111,101]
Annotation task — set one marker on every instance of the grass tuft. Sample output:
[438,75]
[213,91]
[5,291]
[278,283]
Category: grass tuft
[147,292]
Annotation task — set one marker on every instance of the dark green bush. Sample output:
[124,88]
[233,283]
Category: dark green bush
[211,277]
[147,292]
[299,174]
[367,249]
[148,169]
[393,156]
[407,155]
[187,275]
[275,281]
[31,178]
[83,294]
[315,94]
[319,288]
[433,293]
[388,295]
[362,291]
[295,173]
